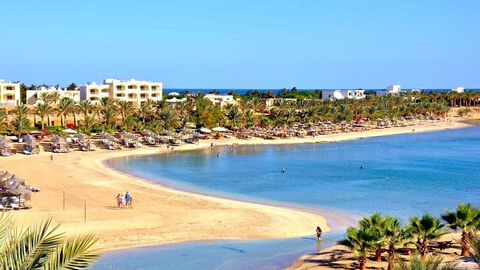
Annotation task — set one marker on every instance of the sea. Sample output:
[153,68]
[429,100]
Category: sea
[275,91]
[401,175]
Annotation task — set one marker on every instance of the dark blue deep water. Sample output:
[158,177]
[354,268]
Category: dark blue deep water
[403,175]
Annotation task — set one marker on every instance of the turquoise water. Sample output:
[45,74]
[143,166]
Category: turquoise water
[403,175]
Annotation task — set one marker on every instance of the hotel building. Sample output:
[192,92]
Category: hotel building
[222,100]
[393,90]
[342,94]
[129,90]
[9,93]
[458,89]
[34,95]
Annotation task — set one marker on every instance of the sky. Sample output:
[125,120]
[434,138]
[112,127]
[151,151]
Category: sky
[242,44]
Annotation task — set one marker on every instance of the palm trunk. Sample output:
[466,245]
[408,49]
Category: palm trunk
[362,263]
[43,124]
[391,257]
[464,244]
[378,254]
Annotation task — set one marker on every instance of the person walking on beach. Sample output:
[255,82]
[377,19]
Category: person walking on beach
[51,157]
[123,201]
[127,199]
[119,200]
[319,232]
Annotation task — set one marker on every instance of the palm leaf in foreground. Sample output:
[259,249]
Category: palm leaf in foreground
[75,253]
[42,247]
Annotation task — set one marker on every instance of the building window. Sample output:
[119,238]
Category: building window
[130,87]
[9,88]
[119,87]
[154,87]
[10,97]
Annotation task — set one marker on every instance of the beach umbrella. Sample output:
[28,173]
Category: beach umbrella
[205,130]
[69,131]
[220,129]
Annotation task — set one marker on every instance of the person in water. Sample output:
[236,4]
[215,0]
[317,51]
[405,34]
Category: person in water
[362,167]
[319,232]
[283,169]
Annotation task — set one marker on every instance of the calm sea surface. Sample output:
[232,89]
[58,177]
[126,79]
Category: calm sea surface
[403,175]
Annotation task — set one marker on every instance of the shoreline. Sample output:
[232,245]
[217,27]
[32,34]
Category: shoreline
[249,220]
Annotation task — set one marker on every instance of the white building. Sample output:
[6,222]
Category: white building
[34,95]
[220,99]
[342,94]
[94,92]
[458,89]
[9,93]
[393,90]
[130,90]
[175,100]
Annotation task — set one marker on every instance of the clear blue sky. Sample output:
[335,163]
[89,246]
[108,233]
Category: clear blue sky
[243,44]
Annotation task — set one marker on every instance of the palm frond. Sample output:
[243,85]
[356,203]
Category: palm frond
[28,249]
[75,253]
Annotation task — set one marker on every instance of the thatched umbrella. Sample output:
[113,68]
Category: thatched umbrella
[15,187]
[6,175]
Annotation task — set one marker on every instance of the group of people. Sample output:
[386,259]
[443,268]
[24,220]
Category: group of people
[124,201]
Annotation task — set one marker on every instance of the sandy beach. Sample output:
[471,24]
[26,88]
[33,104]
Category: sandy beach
[339,257]
[160,215]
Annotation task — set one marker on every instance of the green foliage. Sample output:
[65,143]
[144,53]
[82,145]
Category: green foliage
[466,218]
[425,229]
[463,112]
[361,241]
[42,247]
[431,263]
[474,247]
[20,123]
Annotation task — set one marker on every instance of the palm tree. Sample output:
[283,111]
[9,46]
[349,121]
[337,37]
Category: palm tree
[108,113]
[426,229]
[42,247]
[431,263]
[43,109]
[168,118]
[474,247]
[45,97]
[54,97]
[21,122]
[234,115]
[125,108]
[249,117]
[466,218]
[145,110]
[361,241]
[375,223]
[394,236]
[85,106]
[65,106]
[88,123]
[3,119]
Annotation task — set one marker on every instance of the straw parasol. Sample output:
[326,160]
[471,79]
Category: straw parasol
[205,130]
[220,129]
